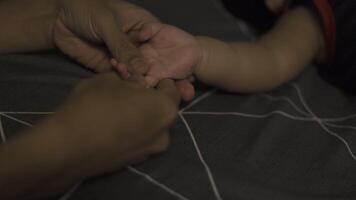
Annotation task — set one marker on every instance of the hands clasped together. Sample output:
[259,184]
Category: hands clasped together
[112,34]
[106,122]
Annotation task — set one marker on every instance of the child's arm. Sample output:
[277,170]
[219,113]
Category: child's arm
[274,59]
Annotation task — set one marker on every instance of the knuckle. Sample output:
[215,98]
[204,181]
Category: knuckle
[104,79]
[82,85]
[169,110]
[162,145]
[102,16]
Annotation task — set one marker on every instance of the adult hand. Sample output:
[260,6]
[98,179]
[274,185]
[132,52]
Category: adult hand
[94,31]
[104,125]
[118,122]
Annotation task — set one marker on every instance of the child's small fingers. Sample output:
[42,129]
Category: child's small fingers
[149,30]
[151,81]
[122,69]
[154,27]
[134,37]
[191,79]
[186,89]
[145,33]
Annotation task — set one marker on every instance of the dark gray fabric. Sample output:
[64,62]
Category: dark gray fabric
[268,157]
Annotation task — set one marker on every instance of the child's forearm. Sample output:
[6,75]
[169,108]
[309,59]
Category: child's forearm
[237,67]
[274,59]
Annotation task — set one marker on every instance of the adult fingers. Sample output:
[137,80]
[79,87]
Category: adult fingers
[119,45]
[158,145]
[144,33]
[90,55]
[161,143]
[168,88]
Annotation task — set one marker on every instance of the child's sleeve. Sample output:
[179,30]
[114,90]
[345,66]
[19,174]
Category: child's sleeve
[338,20]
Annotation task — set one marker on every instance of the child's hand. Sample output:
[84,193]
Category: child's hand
[169,51]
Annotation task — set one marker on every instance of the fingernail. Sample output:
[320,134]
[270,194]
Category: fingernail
[127,75]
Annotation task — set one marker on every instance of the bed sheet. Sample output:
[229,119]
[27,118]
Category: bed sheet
[297,142]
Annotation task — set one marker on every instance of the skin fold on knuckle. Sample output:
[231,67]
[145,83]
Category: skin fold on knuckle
[162,144]
[169,110]
[156,111]
[81,86]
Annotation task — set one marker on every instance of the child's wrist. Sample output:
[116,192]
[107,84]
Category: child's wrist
[203,57]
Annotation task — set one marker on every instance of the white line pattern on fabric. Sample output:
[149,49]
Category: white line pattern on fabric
[158,184]
[339,119]
[320,122]
[70,192]
[2,132]
[202,160]
[259,116]
[16,119]
[340,126]
[286,99]
[27,113]
[308,116]
[199,99]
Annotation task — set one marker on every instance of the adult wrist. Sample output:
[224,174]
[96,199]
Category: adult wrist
[27,25]
[47,19]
